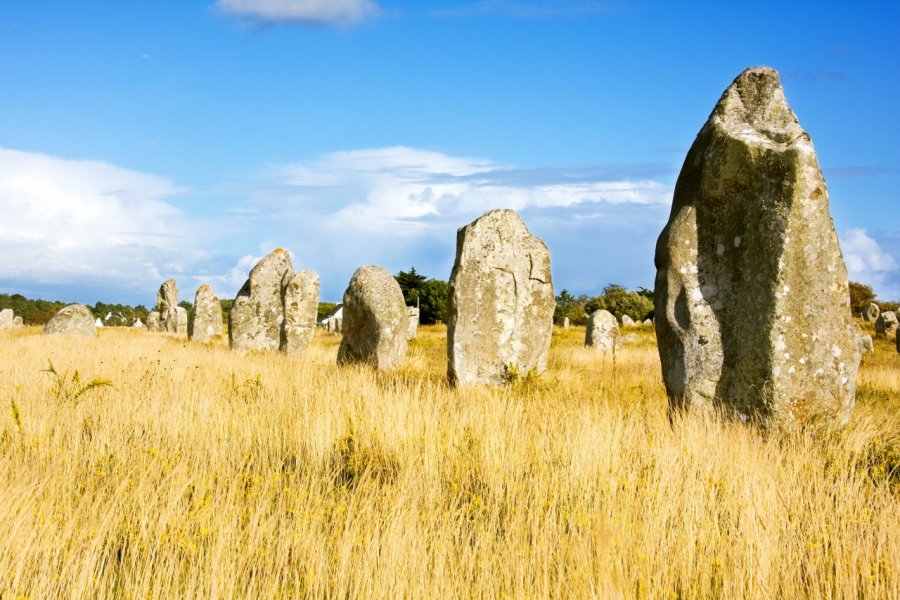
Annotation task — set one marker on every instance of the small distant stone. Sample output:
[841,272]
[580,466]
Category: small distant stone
[602,331]
[74,319]
[870,312]
[153,321]
[626,320]
[566,323]
[886,324]
[866,345]
[413,314]
[7,319]
[17,322]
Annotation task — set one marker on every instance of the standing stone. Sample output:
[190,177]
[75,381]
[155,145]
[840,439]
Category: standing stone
[375,322]
[207,323]
[300,296]
[866,344]
[17,322]
[627,321]
[75,319]
[886,324]
[6,319]
[602,330]
[257,315]
[648,322]
[153,321]
[167,304]
[413,329]
[565,322]
[181,321]
[752,299]
[501,301]
[870,312]
[338,324]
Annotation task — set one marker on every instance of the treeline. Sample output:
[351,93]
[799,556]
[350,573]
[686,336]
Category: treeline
[429,294]
[616,299]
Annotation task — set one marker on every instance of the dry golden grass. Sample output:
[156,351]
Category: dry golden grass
[207,473]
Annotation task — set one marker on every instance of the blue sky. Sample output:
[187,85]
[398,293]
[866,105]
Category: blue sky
[143,140]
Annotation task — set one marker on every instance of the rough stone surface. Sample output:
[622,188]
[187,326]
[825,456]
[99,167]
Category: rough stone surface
[17,322]
[413,314]
[870,312]
[167,296]
[75,319]
[866,344]
[752,300]
[501,301]
[375,321]
[257,315]
[153,321]
[300,297]
[207,323]
[6,319]
[601,330]
[626,320]
[886,324]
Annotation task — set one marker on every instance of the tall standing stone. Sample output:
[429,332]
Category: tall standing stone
[6,319]
[886,324]
[375,323]
[276,308]
[413,327]
[153,321]
[257,315]
[75,319]
[752,300]
[208,322]
[300,296]
[870,312]
[601,331]
[501,301]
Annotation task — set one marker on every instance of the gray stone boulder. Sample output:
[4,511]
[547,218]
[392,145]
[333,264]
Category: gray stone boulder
[167,305]
[648,323]
[300,297]
[886,324]
[153,321]
[565,322]
[207,324]
[17,322]
[870,312]
[601,330]
[375,322]
[413,328]
[752,299]
[75,319]
[627,321]
[7,319]
[866,344]
[257,315]
[501,301]
[181,321]
[276,307]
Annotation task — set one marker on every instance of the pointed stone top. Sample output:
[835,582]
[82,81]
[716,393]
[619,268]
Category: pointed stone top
[754,109]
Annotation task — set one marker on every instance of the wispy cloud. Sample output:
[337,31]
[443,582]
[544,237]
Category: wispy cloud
[533,9]
[867,262]
[340,13]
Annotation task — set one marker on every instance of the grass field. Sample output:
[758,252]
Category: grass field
[201,472]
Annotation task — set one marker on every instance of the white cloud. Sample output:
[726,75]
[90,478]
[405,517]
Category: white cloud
[89,221]
[340,13]
[867,262]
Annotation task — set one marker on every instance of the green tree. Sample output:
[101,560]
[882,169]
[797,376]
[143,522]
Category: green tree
[433,295]
[568,305]
[620,301]
[860,295]
[324,309]
[410,284]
